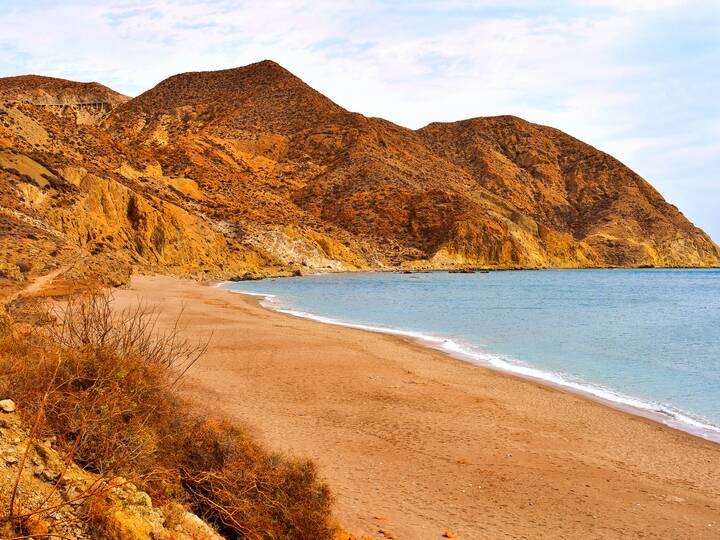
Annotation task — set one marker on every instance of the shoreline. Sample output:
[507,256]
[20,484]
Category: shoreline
[416,442]
[677,420]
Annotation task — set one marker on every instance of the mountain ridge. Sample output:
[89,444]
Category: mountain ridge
[249,171]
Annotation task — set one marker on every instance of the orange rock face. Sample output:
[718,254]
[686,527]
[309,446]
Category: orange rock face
[250,171]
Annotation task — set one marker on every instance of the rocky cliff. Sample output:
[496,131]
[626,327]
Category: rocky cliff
[249,171]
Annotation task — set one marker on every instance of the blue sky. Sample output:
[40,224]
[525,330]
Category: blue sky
[639,79]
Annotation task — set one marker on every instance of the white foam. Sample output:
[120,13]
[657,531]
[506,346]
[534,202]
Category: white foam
[655,411]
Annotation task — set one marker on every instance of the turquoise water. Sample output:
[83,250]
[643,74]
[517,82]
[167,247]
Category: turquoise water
[647,339]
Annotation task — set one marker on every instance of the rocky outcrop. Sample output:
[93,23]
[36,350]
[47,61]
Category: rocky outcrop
[84,103]
[56,499]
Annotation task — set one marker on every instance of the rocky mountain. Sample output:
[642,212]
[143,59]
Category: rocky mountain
[249,171]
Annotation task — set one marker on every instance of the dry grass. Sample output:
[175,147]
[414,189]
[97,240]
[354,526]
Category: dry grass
[103,383]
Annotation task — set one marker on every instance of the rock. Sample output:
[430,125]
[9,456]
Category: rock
[9,457]
[73,495]
[449,534]
[387,534]
[187,526]
[49,475]
[50,441]
[122,525]
[7,405]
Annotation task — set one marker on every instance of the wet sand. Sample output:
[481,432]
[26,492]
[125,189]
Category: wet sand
[415,442]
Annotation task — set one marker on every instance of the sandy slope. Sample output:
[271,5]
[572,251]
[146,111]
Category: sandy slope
[429,443]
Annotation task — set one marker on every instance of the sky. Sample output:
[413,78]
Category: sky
[639,79]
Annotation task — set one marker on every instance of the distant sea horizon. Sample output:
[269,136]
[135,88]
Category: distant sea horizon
[643,340]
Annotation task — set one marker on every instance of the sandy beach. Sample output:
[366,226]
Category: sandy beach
[417,443]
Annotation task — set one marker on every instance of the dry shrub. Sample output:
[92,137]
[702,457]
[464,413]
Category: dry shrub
[104,383]
[239,487]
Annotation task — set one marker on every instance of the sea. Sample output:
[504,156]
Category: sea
[646,340]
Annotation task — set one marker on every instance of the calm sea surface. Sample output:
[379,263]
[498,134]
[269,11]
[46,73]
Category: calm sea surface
[648,339]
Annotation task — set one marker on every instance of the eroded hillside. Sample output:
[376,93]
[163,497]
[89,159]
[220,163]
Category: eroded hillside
[249,171]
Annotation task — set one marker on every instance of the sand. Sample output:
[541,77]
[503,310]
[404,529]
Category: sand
[416,443]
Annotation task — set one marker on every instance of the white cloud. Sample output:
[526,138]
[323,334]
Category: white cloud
[634,6]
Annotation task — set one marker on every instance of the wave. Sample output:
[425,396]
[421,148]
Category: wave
[655,411]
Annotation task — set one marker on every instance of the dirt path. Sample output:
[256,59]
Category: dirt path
[39,283]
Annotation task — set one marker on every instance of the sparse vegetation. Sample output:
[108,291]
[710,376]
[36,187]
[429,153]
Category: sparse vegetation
[103,384]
